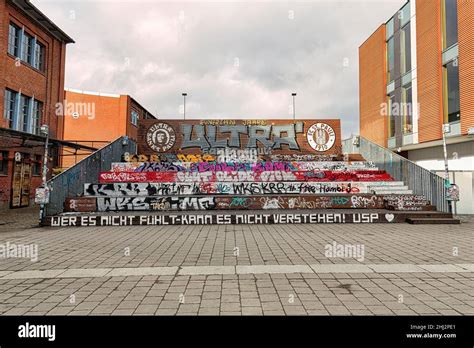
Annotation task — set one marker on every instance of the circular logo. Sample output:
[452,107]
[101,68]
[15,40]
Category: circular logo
[321,137]
[160,137]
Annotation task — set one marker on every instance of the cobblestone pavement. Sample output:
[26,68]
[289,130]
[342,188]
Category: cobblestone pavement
[406,269]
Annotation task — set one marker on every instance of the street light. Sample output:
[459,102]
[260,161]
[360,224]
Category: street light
[184,104]
[294,111]
[446,129]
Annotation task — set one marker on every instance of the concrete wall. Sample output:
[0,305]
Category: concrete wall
[461,166]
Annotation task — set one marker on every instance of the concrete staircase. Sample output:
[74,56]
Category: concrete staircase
[158,193]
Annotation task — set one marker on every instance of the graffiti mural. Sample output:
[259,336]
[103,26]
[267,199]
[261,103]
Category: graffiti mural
[241,188]
[239,166]
[240,172]
[238,176]
[407,203]
[141,203]
[275,136]
[169,158]
[222,219]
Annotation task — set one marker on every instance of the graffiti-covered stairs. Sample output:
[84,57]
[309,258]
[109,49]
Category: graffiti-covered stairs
[339,190]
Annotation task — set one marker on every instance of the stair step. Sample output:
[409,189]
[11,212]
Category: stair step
[398,192]
[432,221]
[283,216]
[412,208]
[388,187]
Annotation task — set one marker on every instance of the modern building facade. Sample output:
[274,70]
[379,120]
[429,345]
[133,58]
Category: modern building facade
[95,119]
[32,65]
[416,81]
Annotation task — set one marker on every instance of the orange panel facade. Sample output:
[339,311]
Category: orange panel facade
[466,63]
[372,90]
[429,70]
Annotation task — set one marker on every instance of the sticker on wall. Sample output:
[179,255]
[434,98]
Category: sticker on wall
[321,137]
[160,137]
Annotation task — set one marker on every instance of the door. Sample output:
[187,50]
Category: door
[21,182]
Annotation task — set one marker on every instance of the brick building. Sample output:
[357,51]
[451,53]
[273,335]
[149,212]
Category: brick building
[32,59]
[95,119]
[416,74]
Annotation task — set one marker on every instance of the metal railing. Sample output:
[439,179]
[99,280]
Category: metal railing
[418,179]
[70,183]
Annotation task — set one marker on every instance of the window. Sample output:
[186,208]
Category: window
[36,165]
[390,59]
[4,163]
[407,109]
[37,117]
[389,29]
[405,49]
[27,49]
[10,107]
[14,34]
[449,9]
[451,92]
[134,118]
[39,56]
[391,123]
[24,113]
[404,15]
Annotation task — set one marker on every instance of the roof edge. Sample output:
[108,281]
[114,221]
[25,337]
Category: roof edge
[42,20]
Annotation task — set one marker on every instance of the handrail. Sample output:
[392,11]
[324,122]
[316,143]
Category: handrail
[418,179]
[70,183]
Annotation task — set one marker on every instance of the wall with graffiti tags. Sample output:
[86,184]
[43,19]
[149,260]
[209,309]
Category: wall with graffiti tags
[266,136]
[239,176]
[240,172]
[239,166]
[222,219]
[231,188]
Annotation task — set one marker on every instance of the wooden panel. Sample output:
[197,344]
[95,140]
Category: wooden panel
[372,87]
[21,183]
[428,29]
[16,186]
[466,63]
[270,136]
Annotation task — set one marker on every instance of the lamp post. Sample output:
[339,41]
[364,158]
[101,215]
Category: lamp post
[446,129]
[184,104]
[294,111]
[45,131]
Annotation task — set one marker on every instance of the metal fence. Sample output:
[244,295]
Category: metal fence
[70,183]
[420,180]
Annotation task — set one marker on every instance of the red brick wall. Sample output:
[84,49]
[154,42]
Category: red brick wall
[105,125]
[47,87]
[372,87]
[112,120]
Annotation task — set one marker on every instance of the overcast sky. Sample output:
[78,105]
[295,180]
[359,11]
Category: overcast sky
[234,59]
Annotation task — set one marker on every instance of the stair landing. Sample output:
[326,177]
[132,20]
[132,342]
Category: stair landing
[317,216]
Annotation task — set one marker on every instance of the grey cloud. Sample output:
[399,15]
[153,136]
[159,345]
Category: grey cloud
[155,51]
